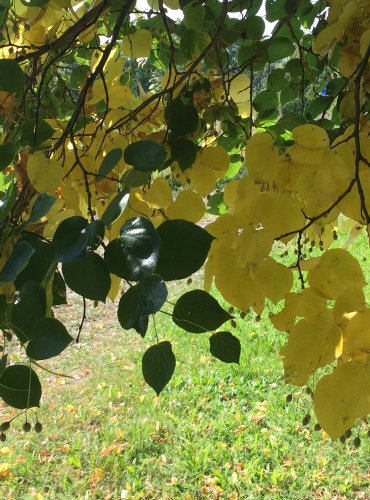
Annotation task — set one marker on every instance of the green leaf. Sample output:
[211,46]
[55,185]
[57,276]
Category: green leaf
[115,208]
[267,100]
[141,300]
[7,153]
[197,312]
[41,207]
[88,277]
[216,204]
[254,27]
[184,249]
[39,263]
[276,80]
[182,118]
[49,338]
[70,239]
[158,365]
[11,76]
[7,200]
[145,155]
[134,255]
[280,48]
[16,262]
[20,387]
[28,309]
[35,137]
[225,347]
[277,10]
[110,161]
[193,16]
[294,67]
[184,152]
[134,178]
[193,43]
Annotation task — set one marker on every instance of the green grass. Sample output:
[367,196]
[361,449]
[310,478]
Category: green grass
[217,431]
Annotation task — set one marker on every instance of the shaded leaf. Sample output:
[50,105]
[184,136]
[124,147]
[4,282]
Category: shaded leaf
[88,277]
[115,208]
[197,312]
[134,254]
[17,261]
[140,300]
[49,338]
[28,309]
[158,365]
[145,155]
[20,387]
[225,347]
[184,249]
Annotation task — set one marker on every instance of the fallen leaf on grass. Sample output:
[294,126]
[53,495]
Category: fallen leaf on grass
[97,475]
[5,471]
[5,451]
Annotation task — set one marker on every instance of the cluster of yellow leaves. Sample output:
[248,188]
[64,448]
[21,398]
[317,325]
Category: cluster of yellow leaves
[307,178]
[319,334]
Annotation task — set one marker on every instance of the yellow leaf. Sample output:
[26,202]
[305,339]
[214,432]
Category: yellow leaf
[239,91]
[357,334]
[350,299]
[5,451]
[55,220]
[310,136]
[5,470]
[114,288]
[336,271]
[274,280]
[311,344]
[285,319]
[159,196]
[188,205]
[342,397]
[211,164]
[261,157]
[138,44]
[45,175]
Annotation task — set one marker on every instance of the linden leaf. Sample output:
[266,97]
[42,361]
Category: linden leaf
[274,279]
[342,397]
[138,44]
[336,271]
[188,205]
[45,174]
[311,344]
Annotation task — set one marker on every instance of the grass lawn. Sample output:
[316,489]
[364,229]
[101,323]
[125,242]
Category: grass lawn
[217,431]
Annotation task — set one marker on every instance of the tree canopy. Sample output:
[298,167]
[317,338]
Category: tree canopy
[123,127]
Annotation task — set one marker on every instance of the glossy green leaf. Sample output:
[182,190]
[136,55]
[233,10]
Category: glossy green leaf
[40,262]
[41,207]
[70,239]
[115,208]
[110,161]
[28,309]
[16,262]
[225,347]
[145,155]
[20,387]
[197,312]
[88,277]
[158,365]
[134,255]
[184,249]
[49,338]
[141,300]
